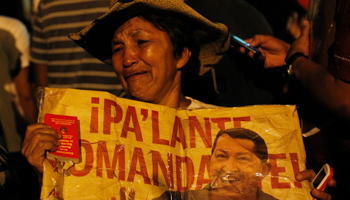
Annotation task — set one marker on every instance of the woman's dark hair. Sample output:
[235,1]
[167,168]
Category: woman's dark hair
[181,35]
[260,148]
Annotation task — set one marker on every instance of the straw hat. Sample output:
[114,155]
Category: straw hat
[213,38]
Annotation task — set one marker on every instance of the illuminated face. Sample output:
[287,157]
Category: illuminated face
[235,170]
[144,61]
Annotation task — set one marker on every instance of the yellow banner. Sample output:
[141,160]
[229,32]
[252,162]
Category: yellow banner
[136,150]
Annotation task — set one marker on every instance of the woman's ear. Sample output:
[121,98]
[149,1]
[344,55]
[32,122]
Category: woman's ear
[183,59]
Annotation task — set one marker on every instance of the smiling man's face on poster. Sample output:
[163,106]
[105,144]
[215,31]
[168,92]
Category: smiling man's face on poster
[235,168]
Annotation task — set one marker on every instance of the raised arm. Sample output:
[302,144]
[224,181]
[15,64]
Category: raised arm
[333,93]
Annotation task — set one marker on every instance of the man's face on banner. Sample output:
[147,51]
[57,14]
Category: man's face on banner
[235,170]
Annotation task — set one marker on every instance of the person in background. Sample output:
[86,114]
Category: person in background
[283,16]
[19,86]
[149,48]
[15,97]
[16,9]
[58,61]
[322,71]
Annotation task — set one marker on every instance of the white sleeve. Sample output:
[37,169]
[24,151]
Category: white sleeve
[21,35]
[23,45]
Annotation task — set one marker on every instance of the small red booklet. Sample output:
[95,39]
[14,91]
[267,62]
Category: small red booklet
[68,127]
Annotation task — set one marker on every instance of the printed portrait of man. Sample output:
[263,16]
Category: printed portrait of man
[238,162]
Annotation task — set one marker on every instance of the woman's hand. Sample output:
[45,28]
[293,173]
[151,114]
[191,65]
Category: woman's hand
[39,138]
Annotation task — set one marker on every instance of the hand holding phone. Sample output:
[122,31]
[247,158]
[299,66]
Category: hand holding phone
[238,41]
[323,176]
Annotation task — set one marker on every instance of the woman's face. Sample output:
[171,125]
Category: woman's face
[143,58]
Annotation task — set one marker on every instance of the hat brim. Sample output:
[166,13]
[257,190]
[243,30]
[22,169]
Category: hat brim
[213,38]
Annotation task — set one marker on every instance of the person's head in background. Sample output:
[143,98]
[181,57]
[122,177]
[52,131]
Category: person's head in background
[150,47]
[283,16]
[15,9]
[238,162]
